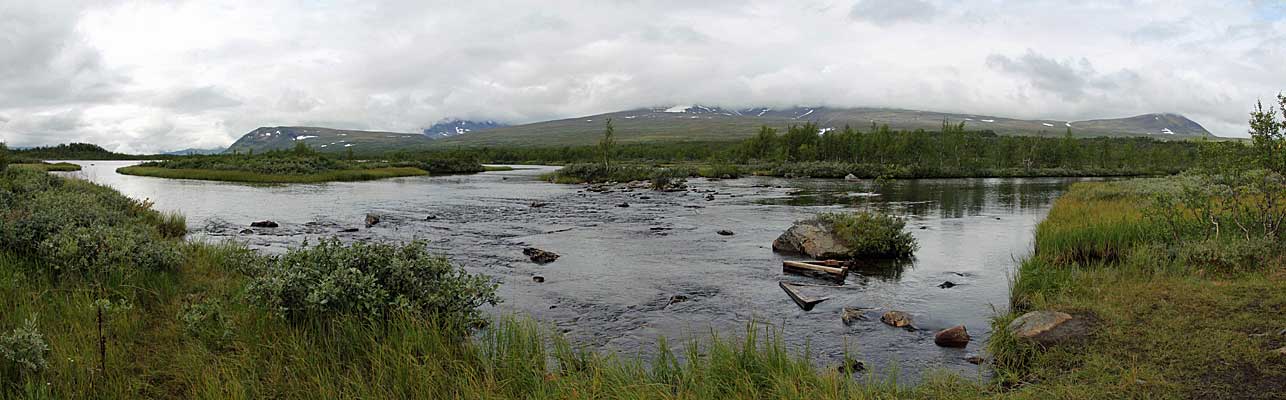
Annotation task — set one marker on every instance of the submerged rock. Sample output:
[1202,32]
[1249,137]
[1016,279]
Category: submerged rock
[812,240]
[538,279]
[247,231]
[849,367]
[947,285]
[956,336]
[348,230]
[896,318]
[371,220]
[725,232]
[710,197]
[430,217]
[264,224]
[975,359]
[539,256]
[1048,327]
[623,205]
[852,314]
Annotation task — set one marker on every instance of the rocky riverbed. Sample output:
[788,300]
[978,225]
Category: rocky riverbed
[635,264]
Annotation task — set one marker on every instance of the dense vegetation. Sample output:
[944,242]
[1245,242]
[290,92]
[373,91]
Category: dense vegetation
[299,165]
[869,234]
[1184,277]
[75,151]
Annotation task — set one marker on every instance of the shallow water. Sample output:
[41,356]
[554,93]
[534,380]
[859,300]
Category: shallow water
[621,266]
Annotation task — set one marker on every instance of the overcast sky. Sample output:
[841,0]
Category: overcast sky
[144,76]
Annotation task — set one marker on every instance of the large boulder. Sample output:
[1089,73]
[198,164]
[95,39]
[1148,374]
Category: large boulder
[1048,328]
[813,240]
[955,336]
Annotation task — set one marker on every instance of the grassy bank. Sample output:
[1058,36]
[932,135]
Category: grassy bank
[1181,308]
[43,166]
[301,165]
[254,177]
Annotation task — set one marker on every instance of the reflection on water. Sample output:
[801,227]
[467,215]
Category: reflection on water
[621,266]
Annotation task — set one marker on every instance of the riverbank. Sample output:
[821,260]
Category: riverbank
[49,167]
[597,173]
[1194,317]
[346,175]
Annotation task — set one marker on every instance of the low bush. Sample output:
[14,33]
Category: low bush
[4,157]
[208,322]
[368,280]
[75,227]
[24,348]
[870,234]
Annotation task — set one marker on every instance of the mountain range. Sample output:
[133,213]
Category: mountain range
[698,124]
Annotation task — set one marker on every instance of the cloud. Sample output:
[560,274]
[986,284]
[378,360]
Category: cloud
[888,12]
[150,76]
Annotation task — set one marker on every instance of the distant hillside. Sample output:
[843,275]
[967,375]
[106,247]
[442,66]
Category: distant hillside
[453,127]
[699,124]
[186,152]
[74,151]
[326,139]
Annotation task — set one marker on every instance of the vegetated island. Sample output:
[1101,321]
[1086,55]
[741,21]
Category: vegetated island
[300,165]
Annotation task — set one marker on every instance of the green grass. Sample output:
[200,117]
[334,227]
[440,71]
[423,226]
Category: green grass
[253,177]
[1169,325]
[59,167]
[492,168]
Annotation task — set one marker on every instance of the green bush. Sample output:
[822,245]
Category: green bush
[870,234]
[208,322]
[80,228]
[24,348]
[371,281]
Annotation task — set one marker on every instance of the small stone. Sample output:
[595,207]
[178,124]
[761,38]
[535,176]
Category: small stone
[538,279]
[975,359]
[247,232]
[956,336]
[678,298]
[1281,351]
[924,227]
[853,314]
[263,224]
[726,232]
[896,318]
[538,204]
[947,285]
[349,230]
[623,205]
[371,220]
[645,198]
[430,217]
[709,197]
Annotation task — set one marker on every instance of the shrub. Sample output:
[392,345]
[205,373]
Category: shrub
[370,281]
[869,234]
[208,322]
[25,347]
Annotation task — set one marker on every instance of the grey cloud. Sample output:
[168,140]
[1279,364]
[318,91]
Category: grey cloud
[1067,78]
[198,99]
[888,12]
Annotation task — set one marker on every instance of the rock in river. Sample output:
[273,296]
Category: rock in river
[853,314]
[955,336]
[264,224]
[539,256]
[371,220]
[725,232]
[812,240]
[1048,327]
[896,318]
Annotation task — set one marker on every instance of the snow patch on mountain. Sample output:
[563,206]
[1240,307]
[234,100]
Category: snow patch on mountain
[455,127]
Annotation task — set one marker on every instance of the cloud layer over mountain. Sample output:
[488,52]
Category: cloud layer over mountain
[146,76]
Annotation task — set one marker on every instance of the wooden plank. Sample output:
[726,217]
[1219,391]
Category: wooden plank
[797,267]
[805,302]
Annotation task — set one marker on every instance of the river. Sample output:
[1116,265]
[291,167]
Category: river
[612,289]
